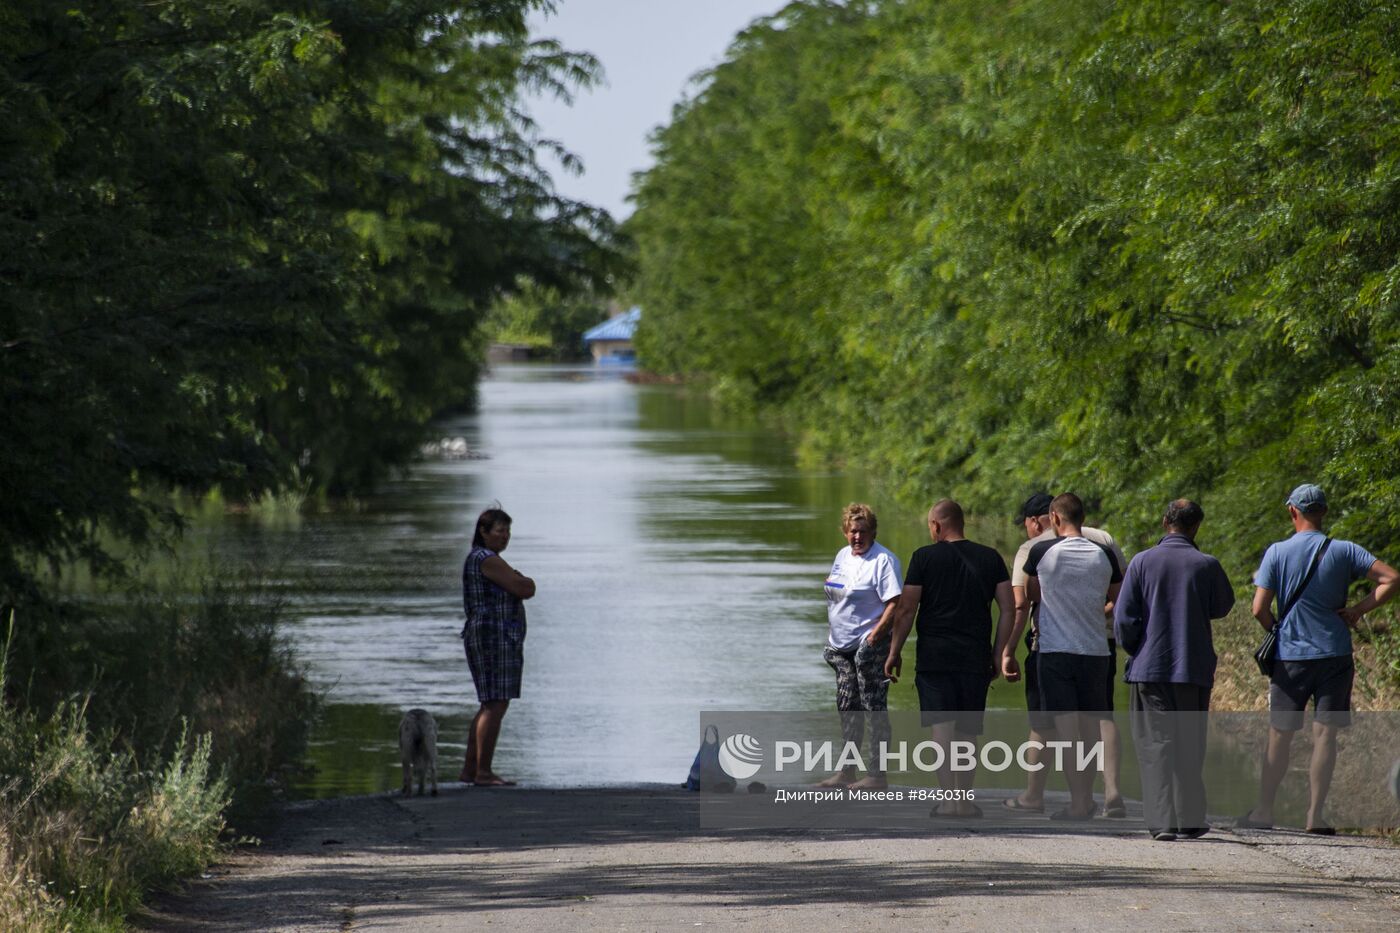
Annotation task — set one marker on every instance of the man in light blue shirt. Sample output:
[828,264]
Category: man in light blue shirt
[1314,647]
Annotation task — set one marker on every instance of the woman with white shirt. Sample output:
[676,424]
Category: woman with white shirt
[861,591]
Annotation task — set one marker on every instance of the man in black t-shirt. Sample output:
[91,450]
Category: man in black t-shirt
[951,585]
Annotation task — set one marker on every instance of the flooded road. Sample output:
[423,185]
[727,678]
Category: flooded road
[679,555]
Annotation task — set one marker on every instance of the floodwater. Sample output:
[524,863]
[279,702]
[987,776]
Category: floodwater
[679,554]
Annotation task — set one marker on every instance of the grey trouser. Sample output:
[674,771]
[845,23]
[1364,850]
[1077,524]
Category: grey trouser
[1169,730]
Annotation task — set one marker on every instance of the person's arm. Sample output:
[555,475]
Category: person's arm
[1031,568]
[1386,579]
[1009,668]
[1223,597]
[1129,627]
[882,628]
[906,604]
[1263,606]
[1006,608]
[1119,567]
[507,577]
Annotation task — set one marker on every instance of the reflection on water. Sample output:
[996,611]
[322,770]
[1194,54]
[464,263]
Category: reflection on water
[679,555]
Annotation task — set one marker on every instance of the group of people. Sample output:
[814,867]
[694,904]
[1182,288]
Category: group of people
[1076,598]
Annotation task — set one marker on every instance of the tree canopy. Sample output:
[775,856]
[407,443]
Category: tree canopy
[245,242]
[1138,252]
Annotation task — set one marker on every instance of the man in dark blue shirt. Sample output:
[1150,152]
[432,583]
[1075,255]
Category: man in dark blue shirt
[1162,620]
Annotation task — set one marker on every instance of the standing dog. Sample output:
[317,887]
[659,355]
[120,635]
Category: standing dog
[418,749]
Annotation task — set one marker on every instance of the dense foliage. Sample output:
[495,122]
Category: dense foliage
[1138,251]
[248,243]
[550,322]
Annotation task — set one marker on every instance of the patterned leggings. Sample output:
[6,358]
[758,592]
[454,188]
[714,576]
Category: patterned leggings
[861,693]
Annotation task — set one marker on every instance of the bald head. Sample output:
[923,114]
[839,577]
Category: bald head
[948,514]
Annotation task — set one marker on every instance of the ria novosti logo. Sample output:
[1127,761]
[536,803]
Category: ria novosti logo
[740,756]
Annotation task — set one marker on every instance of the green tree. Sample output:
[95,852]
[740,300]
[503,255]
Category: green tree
[1136,252]
[244,241]
[550,322]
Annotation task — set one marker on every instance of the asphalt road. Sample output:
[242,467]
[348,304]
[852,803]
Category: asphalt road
[643,859]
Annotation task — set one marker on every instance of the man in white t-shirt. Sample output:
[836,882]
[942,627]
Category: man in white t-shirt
[861,591]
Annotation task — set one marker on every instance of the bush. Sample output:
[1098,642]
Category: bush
[84,832]
[160,658]
[190,709]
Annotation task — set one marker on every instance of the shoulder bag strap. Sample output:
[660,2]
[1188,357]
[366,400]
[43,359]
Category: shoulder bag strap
[1312,569]
[976,574]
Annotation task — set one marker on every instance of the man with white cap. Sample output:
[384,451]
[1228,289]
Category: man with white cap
[1314,646]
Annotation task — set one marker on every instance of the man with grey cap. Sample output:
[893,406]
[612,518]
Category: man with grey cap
[1314,646]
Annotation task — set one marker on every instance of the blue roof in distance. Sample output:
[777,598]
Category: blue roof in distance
[618,327]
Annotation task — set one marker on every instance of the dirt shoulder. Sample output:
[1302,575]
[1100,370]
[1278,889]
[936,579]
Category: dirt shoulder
[639,859]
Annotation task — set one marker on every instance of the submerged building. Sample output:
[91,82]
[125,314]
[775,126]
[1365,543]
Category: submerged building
[611,341]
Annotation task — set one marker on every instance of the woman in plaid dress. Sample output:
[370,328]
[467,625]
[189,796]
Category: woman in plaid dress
[493,594]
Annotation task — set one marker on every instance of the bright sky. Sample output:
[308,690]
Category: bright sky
[649,50]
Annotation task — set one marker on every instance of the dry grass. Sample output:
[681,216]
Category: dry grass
[1239,687]
[101,804]
[84,834]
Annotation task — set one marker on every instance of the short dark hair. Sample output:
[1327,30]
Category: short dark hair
[1183,514]
[489,519]
[1070,508]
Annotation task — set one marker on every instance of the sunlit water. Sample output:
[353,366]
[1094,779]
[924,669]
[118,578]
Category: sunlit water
[679,556]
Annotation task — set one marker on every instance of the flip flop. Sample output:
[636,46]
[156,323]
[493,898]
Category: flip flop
[1014,803]
[1247,822]
[938,814]
[1117,812]
[1322,830]
[499,782]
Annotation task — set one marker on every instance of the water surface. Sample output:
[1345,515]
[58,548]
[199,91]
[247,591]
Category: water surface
[679,554]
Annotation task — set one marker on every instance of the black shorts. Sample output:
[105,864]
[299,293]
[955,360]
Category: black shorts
[1073,683]
[1325,681]
[953,695]
[1040,721]
[1112,682]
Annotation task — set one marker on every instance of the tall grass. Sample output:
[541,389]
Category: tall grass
[133,723]
[1239,687]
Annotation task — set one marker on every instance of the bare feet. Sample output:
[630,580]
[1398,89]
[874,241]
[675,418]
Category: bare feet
[871,782]
[492,780]
[1020,803]
[843,778]
[467,777]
